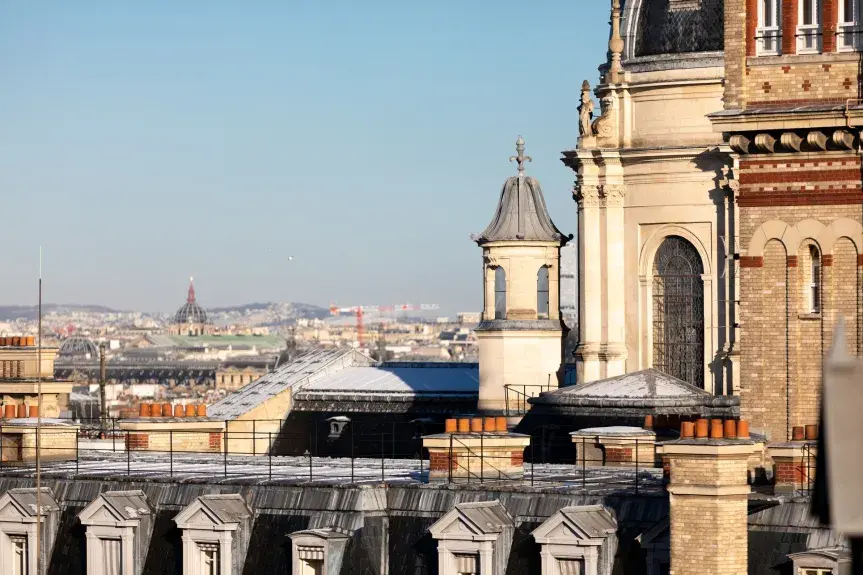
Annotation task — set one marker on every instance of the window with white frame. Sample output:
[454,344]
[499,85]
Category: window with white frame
[814,280]
[848,28]
[209,559]
[809,27]
[768,33]
[112,556]
[18,547]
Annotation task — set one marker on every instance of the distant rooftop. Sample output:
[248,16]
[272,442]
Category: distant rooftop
[214,340]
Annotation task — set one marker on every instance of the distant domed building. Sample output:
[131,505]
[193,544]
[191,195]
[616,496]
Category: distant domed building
[78,347]
[191,319]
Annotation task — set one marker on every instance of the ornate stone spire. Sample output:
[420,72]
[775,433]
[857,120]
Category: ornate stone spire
[520,158]
[615,45]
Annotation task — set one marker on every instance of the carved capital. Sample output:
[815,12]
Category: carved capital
[611,195]
[586,195]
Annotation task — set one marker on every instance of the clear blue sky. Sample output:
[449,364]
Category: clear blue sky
[144,142]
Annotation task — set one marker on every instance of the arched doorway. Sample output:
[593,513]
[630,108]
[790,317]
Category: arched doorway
[678,311]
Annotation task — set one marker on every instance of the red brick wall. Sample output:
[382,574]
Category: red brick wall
[441,461]
[136,441]
[517,458]
[215,441]
[805,181]
[789,26]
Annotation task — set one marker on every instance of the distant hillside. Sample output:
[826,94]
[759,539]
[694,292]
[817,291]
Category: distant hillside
[272,313]
[13,312]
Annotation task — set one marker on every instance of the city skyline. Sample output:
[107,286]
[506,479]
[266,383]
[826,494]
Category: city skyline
[367,143]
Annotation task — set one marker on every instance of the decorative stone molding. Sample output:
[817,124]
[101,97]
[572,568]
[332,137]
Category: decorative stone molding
[611,195]
[792,142]
[474,538]
[216,530]
[578,540]
[586,195]
[119,525]
[18,511]
[318,551]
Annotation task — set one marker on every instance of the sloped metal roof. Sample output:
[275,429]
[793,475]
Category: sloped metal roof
[488,516]
[227,507]
[25,500]
[521,214]
[649,387]
[594,520]
[127,504]
[411,378]
[303,369]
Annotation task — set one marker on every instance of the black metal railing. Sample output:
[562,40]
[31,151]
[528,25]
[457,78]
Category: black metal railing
[516,396]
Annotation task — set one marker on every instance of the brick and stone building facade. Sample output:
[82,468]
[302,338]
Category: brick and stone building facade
[792,112]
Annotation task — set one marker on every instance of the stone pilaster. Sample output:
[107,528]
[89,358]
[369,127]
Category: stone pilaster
[708,505]
[600,193]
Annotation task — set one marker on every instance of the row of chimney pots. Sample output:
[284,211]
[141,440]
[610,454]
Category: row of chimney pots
[168,410]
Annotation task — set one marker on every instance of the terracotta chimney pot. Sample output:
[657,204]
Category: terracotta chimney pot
[10,411]
[451,425]
[166,410]
[742,429]
[730,430]
[191,410]
[687,430]
[34,411]
[179,410]
[701,429]
[797,433]
[648,422]
[715,429]
[156,410]
[22,411]
[144,410]
[476,425]
[489,424]
[463,425]
[811,432]
[202,410]
[501,424]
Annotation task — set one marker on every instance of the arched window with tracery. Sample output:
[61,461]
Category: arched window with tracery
[542,293]
[499,293]
[678,311]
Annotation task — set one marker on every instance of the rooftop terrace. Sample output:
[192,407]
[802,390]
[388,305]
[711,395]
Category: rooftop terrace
[323,471]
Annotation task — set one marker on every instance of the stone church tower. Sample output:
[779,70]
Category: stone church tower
[656,229]
[520,336]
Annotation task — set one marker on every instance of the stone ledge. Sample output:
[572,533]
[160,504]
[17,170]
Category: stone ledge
[710,491]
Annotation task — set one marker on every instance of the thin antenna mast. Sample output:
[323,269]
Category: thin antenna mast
[39,427]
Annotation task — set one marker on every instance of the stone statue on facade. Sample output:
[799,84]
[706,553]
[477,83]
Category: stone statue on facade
[585,111]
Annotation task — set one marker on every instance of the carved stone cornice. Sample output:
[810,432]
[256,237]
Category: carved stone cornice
[784,141]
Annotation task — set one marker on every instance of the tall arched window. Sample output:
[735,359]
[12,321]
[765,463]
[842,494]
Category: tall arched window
[815,280]
[542,293]
[499,293]
[678,311]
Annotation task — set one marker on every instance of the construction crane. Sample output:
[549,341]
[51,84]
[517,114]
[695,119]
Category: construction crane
[359,311]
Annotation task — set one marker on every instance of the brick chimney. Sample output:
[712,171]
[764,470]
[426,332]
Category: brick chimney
[708,495]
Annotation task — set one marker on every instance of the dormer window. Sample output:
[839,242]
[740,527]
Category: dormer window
[848,28]
[118,524]
[768,33]
[215,534]
[809,27]
[18,510]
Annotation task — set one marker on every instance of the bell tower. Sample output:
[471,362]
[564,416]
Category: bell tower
[520,335]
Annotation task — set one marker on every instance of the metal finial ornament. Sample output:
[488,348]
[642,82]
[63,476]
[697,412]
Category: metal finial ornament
[520,158]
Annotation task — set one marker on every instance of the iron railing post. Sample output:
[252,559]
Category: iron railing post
[254,437]
[113,436]
[270,451]
[449,459]
[171,453]
[352,452]
[532,463]
[311,470]
[1,446]
[382,457]
[225,438]
[481,457]
[76,451]
[584,464]
[128,455]
[636,466]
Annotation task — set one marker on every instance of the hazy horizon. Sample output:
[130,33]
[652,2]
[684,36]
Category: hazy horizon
[147,143]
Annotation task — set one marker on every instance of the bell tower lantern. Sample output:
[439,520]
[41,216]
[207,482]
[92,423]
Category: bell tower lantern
[520,333]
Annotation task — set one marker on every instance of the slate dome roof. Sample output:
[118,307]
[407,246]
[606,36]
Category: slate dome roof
[191,312]
[78,347]
[666,27]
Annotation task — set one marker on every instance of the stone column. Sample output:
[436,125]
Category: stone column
[590,293]
[708,496]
